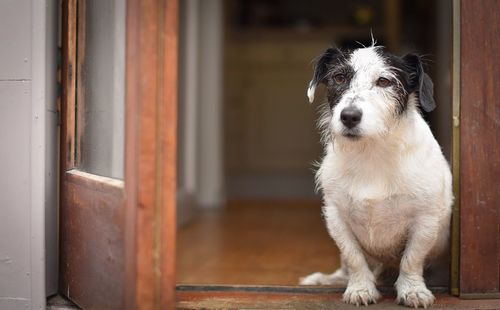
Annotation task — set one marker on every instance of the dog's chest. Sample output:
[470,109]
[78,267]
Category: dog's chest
[380,226]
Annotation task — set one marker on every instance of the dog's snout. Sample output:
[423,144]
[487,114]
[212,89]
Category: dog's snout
[350,117]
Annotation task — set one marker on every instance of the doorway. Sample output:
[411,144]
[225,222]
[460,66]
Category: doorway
[248,212]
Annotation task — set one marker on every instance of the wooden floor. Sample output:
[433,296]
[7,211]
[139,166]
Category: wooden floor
[272,243]
[307,301]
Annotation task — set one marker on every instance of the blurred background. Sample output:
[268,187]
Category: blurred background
[247,209]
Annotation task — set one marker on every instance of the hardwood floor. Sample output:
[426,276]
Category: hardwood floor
[255,243]
[307,301]
[269,243]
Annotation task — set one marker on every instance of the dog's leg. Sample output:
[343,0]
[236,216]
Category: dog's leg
[410,285]
[339,277]
[361,284]
[377,269]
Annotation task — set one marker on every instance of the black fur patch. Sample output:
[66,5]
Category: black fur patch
[404,74]
[409,71]
[332,62]
[334,90]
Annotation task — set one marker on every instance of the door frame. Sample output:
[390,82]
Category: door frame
[477,147]
[150,159]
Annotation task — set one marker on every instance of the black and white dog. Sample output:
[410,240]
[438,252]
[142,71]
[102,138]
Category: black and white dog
[386,184]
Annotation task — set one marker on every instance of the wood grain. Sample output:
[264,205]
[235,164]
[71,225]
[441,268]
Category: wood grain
[68,81]
[168,143]
[151,93]
[92,241]
[81,80]
[272,242]
[132,135]
[257,243]
[480,147]
[146,81]
[240,299]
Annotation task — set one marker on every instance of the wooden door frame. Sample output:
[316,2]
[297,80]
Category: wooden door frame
[479,149]
[141,209]
[150,160]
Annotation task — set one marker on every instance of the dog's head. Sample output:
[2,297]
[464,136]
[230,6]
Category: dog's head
[369,90]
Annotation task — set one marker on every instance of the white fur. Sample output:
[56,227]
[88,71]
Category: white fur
[310,93]
[386,193]
[375,102]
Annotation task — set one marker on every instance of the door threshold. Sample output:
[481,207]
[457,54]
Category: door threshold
[302,297]
[285,289]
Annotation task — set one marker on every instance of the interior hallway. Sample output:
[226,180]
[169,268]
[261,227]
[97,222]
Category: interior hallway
[255,243]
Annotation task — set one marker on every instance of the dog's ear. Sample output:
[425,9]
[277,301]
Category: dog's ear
[321,69]
[420,82]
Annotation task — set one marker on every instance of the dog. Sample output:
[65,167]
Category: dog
[387,188]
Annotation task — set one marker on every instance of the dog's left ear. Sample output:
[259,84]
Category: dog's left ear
[420,82]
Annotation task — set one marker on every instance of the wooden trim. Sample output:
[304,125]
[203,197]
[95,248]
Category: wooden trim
[479,148]
[80,79]
[142,73]
[481,296]
[168,159]
[132,122]
[455,157]
[68,82]
[321,289]
[151,92]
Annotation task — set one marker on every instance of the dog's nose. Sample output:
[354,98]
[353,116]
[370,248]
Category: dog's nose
[350,117]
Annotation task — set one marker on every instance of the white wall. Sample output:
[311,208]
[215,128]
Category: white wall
[187,110]
[200,164]
[210,101]
[28,132]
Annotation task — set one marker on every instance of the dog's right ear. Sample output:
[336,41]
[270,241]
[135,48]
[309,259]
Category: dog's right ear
[321,69]
[420,82]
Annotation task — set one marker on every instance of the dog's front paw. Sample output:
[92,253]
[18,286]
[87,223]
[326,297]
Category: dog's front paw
[361,293]
[413,293]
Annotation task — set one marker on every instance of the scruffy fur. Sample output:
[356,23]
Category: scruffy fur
[385,182]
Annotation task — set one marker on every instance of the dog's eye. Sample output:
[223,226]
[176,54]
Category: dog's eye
[340,79]
[383,82]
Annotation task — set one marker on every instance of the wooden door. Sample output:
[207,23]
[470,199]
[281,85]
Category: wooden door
[479,149]
[117,227]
